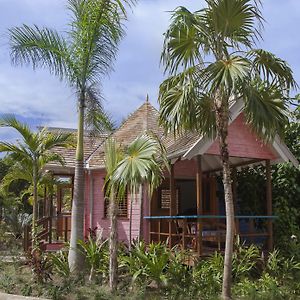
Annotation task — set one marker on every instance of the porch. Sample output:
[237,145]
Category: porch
[54,215]
[188,209]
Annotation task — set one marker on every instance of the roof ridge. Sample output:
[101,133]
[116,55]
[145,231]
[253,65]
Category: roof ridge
[96,148]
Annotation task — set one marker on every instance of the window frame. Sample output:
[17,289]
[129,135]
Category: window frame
[106,207]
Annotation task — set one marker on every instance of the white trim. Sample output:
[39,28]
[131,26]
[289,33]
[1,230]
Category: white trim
[284,152]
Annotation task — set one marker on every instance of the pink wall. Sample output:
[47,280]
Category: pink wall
[242,142]
[98,213]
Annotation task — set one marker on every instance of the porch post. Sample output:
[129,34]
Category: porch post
[45,213]
[172,202]
[199,204]
[51,216]
[234,195]
[269,204]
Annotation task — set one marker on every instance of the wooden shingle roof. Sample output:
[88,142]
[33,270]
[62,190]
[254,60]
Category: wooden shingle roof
[90,143]
[145,118]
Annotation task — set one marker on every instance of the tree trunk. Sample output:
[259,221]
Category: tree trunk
[141,229]
[222,121]
[75,258]
[113,244]
[34,210]
[130,221]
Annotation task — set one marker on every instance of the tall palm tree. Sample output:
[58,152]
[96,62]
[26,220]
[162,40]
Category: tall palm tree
[210,57]
[81,58]
[142,162]
[30,156]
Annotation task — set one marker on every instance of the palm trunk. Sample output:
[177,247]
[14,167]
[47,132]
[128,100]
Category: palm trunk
[75,258]
[222,118]
[34,210]
[130,221]
[113,244]
[141,233]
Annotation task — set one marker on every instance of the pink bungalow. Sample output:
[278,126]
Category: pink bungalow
[187,209]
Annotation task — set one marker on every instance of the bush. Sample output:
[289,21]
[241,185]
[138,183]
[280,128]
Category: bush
[148,264]
[60,263]
[95,251]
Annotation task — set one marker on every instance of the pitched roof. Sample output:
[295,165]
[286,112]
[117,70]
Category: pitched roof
[69,154]
[145,118]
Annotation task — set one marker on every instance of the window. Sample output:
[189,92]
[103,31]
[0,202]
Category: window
[165,198]
[122,209]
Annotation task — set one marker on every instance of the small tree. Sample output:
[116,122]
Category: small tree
[142,162]
[30,156]
[210,57]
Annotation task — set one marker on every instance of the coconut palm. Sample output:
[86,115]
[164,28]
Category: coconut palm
[81,57]
[30,156]
[142,162]
[211,61]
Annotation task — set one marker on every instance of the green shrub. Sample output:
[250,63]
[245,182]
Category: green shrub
[148,264]
[245,261]
[60,263]
[207,276]
[96,254]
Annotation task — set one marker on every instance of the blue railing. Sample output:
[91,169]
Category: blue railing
[207,217]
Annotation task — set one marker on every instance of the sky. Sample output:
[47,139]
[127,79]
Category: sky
[38,98]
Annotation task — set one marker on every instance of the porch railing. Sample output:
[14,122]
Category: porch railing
[204,233]
[55,229]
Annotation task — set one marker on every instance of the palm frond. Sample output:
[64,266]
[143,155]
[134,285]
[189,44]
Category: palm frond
[234,22]
[266,110]
[57,139]
[271,68]
[140,164]
[96,31]
[184,105]
[183,41]
[97,119]
[225,74]
[113,155]
[23,129]
[17,152]
[50,158]
[41,47]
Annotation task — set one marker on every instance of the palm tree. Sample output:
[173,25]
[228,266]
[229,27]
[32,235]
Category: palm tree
[81,58]
[211,60]
[30,156]
[142,162]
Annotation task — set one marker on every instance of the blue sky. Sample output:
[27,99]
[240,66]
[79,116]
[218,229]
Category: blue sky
[40,99]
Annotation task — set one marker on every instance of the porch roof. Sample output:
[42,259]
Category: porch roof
[191,145]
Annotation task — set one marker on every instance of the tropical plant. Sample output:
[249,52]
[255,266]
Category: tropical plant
[147,264]
[142,162]
[207,276]
[81,58]
[113,155]
[60,264]
[95,254]
[211,61]
[30,156]
[245,260]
